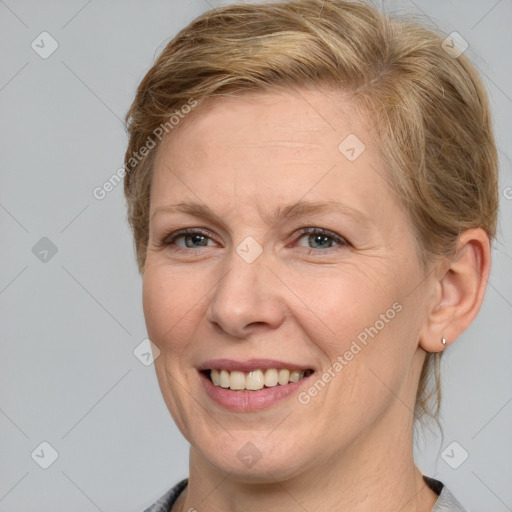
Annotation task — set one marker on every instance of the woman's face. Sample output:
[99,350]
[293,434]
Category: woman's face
[248,289]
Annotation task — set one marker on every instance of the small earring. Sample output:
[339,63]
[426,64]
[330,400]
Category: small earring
[444,341]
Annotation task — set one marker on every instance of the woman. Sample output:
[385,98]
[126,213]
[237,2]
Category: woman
[312,189]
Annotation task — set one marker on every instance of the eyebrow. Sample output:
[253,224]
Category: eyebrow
[290,211]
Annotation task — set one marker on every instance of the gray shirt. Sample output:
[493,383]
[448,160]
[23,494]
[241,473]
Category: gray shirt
[445,503]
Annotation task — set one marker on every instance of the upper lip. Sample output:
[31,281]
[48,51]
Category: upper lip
[249,365]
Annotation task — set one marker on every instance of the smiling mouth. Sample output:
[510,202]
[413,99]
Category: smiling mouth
[254,380]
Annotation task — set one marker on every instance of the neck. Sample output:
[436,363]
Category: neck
[375,473]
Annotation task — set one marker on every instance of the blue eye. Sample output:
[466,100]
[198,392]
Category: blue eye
[317,239]
[190,236]
[321,238]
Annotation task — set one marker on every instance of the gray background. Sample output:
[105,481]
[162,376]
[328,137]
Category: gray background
[69,325]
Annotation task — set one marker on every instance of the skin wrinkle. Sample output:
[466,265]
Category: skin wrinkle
[346,432]
[308,307]
[300,209]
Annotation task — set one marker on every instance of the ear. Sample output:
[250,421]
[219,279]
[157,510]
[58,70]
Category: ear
[459,289]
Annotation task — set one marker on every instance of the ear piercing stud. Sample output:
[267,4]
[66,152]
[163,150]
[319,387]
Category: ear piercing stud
[444,341]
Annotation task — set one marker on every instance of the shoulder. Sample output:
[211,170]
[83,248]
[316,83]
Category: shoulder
[165,502]
[446,501]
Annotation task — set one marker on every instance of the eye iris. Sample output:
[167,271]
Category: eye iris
[196,239]
[320,239]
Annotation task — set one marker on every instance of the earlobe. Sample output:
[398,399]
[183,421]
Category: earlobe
[460,291]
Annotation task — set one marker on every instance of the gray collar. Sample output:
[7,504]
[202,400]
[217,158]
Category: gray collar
[445,503]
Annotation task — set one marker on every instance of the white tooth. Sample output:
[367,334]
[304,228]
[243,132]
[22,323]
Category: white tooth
[214,374]
[294,376]
[224,379]
[284,376]
[237,380]
[271,378]
[254,380]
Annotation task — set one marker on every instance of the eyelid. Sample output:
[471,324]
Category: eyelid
[341,240]
[170,237]
[173,235]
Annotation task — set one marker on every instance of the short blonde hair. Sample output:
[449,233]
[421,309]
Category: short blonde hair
[430,110]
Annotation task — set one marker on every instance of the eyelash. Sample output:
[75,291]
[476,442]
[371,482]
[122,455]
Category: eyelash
[166,241]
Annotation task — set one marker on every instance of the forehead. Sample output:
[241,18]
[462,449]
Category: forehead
[271,147]
[308,123]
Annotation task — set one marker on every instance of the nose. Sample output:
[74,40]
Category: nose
[247,298]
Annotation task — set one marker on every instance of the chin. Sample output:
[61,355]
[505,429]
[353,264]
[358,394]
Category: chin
[259,461]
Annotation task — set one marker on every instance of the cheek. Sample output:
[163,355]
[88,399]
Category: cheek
[346,304]
[359,323]
[168,301]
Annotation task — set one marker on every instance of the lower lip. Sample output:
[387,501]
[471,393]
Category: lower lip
[249,400]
